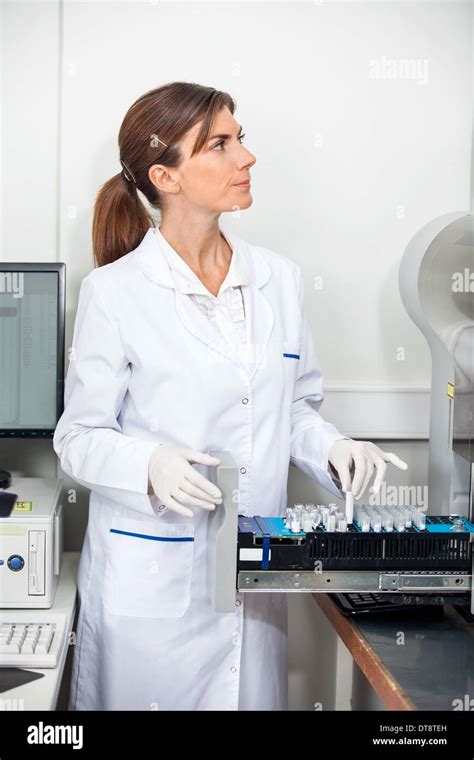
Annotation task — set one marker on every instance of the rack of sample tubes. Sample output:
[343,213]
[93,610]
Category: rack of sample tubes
[318,547]
[308,517]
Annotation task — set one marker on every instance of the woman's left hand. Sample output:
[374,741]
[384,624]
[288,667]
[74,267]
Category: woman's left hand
[363,459]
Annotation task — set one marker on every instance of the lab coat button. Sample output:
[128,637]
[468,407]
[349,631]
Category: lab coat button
[245,401]
[233,669]
[238,602]
[243,470]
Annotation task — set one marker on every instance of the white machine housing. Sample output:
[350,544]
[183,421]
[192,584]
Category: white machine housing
[440,251]
[36,538]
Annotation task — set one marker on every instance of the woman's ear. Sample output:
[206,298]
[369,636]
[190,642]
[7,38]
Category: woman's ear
[161,177]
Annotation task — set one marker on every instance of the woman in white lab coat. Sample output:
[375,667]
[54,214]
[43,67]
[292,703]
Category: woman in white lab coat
[157,378]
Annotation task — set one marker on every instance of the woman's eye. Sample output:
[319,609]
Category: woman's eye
[240,137]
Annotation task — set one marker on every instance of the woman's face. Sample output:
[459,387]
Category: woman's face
[209,180]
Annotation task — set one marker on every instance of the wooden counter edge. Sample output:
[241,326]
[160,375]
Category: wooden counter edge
[381,680]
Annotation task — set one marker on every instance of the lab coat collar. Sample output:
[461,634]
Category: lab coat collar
[188,282]
[153,263]
[259,314]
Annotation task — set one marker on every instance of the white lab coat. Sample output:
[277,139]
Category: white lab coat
[147,367]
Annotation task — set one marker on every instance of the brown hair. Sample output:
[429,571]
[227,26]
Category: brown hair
[150,132]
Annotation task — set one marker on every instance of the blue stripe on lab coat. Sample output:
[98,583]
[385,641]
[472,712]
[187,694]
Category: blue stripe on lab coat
[151,538]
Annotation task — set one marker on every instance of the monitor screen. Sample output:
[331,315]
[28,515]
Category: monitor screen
[32,303]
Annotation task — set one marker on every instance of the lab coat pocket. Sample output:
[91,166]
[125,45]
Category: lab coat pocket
[148,569]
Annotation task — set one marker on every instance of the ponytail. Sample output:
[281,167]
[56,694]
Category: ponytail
[120,220]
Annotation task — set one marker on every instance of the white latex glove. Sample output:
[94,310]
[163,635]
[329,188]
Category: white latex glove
[363,459]
[173,479]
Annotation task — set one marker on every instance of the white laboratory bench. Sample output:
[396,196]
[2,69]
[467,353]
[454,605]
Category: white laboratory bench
[42,694]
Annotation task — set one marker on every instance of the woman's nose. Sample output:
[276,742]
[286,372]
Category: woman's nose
[247,160]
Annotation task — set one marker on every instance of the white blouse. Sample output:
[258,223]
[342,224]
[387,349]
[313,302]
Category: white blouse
[227,309]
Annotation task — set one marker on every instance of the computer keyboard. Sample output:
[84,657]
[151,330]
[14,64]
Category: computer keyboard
[31,643]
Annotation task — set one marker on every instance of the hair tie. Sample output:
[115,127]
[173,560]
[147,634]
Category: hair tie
[127,174]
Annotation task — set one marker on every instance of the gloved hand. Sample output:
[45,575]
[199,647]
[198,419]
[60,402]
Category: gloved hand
[360,458]
[174,480]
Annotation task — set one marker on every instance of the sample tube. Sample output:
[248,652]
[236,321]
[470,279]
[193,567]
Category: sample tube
[349,507]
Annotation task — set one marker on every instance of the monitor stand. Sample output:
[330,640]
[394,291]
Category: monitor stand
[5,479]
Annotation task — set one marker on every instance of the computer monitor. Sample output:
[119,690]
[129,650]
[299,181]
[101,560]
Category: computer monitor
[32,316]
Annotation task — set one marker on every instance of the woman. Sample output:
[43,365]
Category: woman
[186,340]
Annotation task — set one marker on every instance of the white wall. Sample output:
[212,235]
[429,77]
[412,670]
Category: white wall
[30,55]
[301,75]
[348,168]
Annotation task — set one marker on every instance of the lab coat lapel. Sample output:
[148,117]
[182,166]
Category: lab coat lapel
[200,326]
[259,321]
[259,317]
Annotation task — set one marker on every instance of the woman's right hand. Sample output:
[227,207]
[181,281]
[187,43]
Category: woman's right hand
[173,479]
